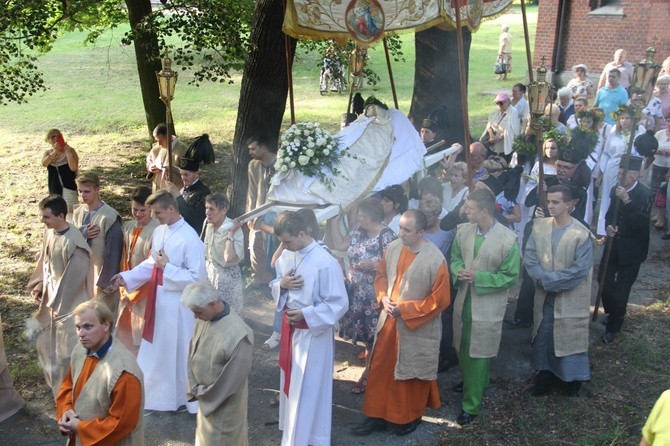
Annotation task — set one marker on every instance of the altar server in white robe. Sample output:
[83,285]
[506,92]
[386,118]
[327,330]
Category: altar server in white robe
[309,289]
[177,259]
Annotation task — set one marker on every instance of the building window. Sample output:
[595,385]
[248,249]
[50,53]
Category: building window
[612,8]
[595,4]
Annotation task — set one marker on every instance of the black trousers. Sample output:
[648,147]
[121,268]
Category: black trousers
[619,280]
[526,300]
[447,350]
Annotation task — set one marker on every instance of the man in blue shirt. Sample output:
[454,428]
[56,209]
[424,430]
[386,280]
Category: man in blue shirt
[611,96]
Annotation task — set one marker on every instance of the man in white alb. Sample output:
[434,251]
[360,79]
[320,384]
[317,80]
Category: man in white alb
[177,259]
[309,289]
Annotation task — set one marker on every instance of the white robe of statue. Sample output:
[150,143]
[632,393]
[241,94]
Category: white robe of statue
[386,150]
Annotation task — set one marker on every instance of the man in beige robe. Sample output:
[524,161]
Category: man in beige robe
[261,170]
[157,160]
[100,225]
[61,281]
[220,357]
[412,286]
[10,400]
[559,258]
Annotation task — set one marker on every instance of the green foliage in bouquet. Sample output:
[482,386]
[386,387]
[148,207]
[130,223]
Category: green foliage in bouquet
[524,145]
[592,135]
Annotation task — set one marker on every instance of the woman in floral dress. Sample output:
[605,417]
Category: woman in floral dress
[365,251]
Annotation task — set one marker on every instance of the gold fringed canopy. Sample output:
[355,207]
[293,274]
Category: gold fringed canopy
[366,21]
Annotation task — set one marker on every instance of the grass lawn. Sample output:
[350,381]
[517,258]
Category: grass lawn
[94,99]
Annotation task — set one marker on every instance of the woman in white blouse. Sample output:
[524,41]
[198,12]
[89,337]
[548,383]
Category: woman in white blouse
[224,248]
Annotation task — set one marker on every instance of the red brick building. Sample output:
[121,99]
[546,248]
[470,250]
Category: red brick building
[570,32]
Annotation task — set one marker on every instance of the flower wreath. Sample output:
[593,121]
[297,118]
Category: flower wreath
[589,134]
[560,138]
[616,114]
[596,117]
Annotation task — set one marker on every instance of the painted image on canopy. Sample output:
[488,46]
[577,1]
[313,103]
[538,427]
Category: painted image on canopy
[365,20]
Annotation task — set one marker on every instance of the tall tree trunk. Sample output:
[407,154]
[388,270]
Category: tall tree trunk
[148,62]
[263,91]
[437,79]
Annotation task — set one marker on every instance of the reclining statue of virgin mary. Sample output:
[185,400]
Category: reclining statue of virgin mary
[383,149]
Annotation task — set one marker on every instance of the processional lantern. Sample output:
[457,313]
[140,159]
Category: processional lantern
[539,92]
[357,59]
[539,95]
[644,77]
[167,80]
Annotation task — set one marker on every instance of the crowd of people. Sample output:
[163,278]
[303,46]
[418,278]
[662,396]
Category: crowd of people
[147,315]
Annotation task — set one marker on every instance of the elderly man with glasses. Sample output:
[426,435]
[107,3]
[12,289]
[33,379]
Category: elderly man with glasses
[502,127]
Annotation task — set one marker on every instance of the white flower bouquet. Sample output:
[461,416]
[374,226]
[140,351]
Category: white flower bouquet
[307,148]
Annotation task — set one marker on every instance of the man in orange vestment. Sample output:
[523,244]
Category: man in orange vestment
[137,237]
[100,400]
[412,285]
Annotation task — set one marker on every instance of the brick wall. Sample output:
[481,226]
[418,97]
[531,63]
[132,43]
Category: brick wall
[592,39]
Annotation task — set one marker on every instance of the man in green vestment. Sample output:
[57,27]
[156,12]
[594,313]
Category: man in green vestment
[485,263]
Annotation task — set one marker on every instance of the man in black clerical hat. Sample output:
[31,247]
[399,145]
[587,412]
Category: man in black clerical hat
[428,132]
[627,225]
[191,198]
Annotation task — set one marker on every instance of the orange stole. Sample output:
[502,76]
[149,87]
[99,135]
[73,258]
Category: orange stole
[128,322]
[140,293]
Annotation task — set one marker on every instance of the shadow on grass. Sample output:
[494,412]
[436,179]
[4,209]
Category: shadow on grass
[121,179]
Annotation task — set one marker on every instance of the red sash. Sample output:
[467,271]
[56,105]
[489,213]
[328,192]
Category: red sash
[286,348]
[150,310]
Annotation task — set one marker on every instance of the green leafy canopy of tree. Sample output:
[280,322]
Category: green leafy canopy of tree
[209,37]
[27,28]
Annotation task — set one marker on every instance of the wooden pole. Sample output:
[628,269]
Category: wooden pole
[351,93]
[464,91]
[388,65]
[289,74]
[541,196]
[168,119]
[527,40]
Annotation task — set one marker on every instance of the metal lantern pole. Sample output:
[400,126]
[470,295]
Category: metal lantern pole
[388,66]
[539,93]
[464,91]
[167,80]
[527,40]
[641,88]
[356,64]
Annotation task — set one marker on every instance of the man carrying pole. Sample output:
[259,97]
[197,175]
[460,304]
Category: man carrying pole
[627,225]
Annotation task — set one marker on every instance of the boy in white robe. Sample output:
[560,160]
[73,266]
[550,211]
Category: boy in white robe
[309,289]
[177,259]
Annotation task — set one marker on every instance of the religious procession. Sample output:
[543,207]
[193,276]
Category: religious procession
[389,235]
